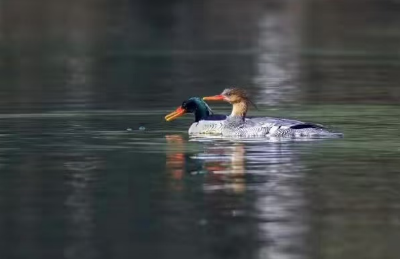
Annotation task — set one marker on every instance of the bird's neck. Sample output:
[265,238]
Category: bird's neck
[201,115]
[240,108]
[202,112]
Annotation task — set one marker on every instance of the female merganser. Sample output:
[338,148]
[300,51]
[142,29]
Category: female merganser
[206,122]
[237,124]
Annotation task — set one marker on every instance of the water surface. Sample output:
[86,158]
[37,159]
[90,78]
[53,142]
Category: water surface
[79,180]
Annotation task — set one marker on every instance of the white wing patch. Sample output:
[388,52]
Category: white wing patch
[206,127]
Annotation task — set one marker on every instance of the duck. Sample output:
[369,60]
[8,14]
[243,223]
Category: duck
[205,121]
[238,124]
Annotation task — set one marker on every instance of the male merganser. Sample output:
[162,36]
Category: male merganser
[206,122]
[237,124]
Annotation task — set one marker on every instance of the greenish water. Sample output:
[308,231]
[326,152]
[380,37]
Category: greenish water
[79,180]
[82,185]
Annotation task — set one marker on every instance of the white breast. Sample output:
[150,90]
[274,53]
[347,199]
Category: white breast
[206,127]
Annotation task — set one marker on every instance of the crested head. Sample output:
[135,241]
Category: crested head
[235,95]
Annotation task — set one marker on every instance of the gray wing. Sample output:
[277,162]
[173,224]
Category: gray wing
[270,122]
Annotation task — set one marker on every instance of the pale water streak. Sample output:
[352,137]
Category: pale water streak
[79,180]
[102,197]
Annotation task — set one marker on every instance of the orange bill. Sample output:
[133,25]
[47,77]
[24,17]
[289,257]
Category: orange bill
[173,115]
[214,98]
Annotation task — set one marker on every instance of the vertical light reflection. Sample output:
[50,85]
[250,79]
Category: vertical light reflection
[271,173]
[81,33]
[79,81]
[268,175]
[277,60]
[79,204]
[280,202]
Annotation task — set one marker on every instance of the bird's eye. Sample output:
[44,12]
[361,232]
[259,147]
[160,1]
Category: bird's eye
[228,94]
[184,104]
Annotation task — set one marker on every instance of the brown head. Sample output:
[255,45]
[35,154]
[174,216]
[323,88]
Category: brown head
[235,96]
[230,95]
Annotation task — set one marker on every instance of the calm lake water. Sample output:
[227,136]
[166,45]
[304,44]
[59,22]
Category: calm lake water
[79,180]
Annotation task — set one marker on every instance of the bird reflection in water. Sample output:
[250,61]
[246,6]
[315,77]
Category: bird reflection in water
[223,166]
[226,165]
[175,160]
[256,181]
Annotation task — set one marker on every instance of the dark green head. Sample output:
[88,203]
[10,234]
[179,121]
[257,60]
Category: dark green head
[192,105]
